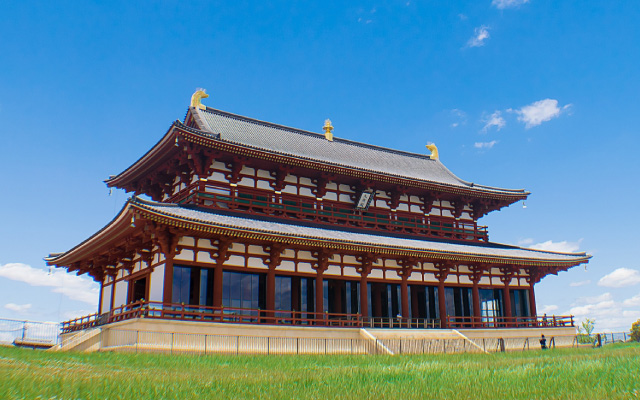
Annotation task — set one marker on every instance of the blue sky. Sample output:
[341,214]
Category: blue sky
[535,94]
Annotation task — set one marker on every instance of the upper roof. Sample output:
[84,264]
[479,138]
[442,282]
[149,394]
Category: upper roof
[213,222]
[298,143]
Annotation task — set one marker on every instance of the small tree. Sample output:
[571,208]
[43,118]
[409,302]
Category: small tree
[585,330]
[635,331]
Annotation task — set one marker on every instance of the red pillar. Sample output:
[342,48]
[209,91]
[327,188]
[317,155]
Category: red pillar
[319,298]
[475,294]
[217,285]
[100,298]
[113,292]
[532,302]
[404,295]
[442,305]
[167,294]
[364,295]
[271,289]
[507,303]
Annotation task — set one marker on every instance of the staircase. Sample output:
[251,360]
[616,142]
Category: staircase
[85,340]
[415,341]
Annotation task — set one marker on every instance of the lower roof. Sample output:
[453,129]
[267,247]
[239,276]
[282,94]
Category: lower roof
[290,230]
[214,222]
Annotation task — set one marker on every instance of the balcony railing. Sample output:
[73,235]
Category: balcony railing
[183,312]
[263,202]
[510,322]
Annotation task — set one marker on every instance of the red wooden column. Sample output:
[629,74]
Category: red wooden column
[442,305]
[167,292]
[476,275]
[167,240]
[507,275]
[532,302]
[321,264]
[273,260]
[113,289]
[366,264]
[100,298]
[364,293]
[443,270]
[319,297]
[407,265]
[220,255]
[532,279]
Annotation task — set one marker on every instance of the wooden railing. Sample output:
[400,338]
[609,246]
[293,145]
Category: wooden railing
[183,312]
[554,321]
[264,202]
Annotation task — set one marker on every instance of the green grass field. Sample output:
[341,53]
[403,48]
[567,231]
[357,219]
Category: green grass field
[611,372]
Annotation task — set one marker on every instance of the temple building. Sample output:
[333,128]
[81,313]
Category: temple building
[243,221]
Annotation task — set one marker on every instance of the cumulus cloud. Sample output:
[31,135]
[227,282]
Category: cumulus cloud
[538,112]
[503,4]
[549,309]
[609,314]
[621,277]
[604,297]
[580,283]
[19,308]
[560,247]
[494,119]
[633,301]
[480,34]
[73,286]
[485,145]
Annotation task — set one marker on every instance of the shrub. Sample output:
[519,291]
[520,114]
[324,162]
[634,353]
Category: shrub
[635,331]
[585,331]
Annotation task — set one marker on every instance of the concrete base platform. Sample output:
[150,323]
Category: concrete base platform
[155,335]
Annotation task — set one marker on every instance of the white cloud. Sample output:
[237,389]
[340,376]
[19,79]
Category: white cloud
[462,17]
[549,309]
[621,277]
[633,301]
[580,283]
[19,308]
[460,117]
[485,145]
[480,34]
[538,112]
[73,286]
[610,315]
[494,119]
[502,4]
[525,242]
[604,297]
[560,247]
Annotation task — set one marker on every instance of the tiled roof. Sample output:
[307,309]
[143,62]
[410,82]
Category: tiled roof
[264,226]
[341,152]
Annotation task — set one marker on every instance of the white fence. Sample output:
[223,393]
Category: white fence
[175,343]
[29,332]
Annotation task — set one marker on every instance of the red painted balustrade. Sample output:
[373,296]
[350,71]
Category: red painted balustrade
[182,312]
[289,206]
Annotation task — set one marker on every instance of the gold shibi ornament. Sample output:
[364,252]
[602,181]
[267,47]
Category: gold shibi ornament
[196,99]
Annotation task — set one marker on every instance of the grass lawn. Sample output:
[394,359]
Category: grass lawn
[612,372]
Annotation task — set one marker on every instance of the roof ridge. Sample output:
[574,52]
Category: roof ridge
[313,134]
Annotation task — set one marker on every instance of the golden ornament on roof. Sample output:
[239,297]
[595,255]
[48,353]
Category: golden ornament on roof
[196,99]
[434,151]
[327,130]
